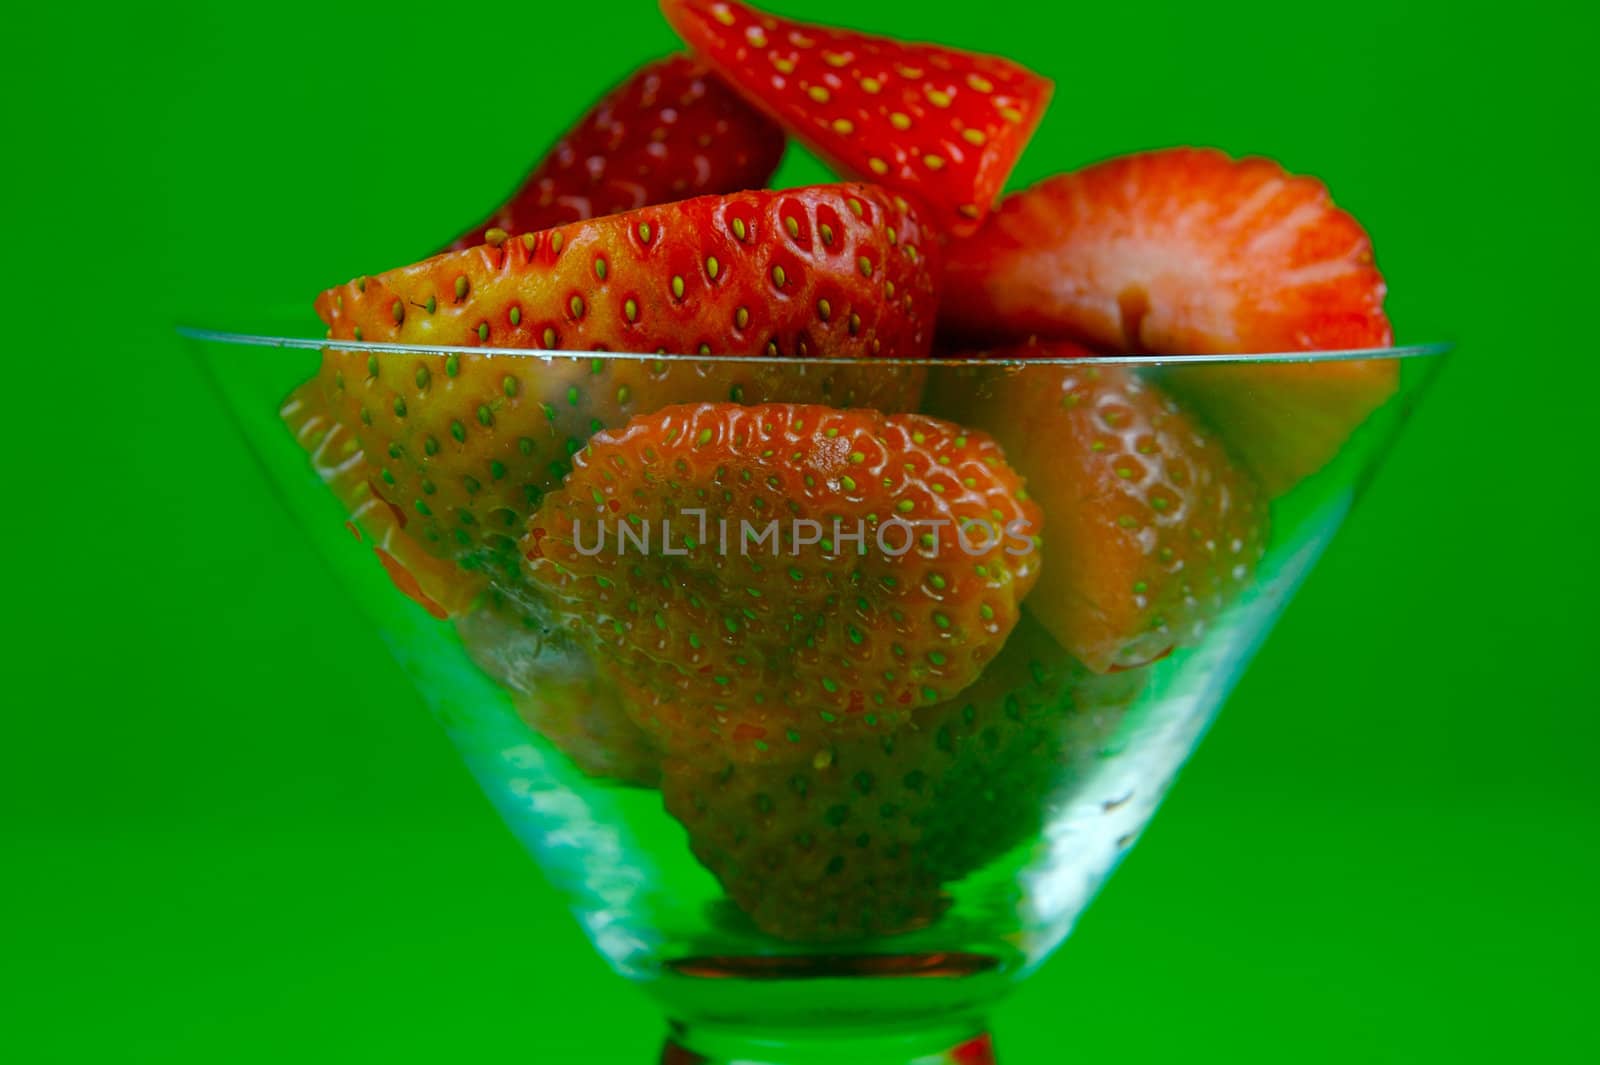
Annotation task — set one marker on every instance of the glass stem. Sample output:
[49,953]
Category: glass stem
[944,1044]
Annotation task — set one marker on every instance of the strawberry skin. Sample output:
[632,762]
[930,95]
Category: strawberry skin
[994,757]
[861,840]
[807,853]
[468,445]
[1187,251]
[670,132]
[438,587]
[941,126]
[557,689]
[770,652]
[1152,527]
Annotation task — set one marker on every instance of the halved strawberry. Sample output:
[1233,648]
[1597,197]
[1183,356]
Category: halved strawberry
[1152,528]
[468,445]
[670,132]
[809,606]
[1187,251]
[860,839]
[438,587]
[558,689]
[944,127]
[1184,251]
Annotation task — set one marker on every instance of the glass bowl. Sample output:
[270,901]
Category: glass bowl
[866,892]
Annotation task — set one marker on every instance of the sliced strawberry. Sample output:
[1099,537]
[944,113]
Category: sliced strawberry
[1187,251]
[1173,252]
[1152,528]
[766,634]
[860,840]
[941,126]
[557,688]
[670,132]
[438,587]
[467,445]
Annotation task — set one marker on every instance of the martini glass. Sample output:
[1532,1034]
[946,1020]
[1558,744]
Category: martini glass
[746,977]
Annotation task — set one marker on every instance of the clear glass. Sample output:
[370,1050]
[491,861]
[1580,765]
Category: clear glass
[731,991]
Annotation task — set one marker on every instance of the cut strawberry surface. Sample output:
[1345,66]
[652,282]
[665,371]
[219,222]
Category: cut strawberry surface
[438,587]
[467,445]
[861,840]
[1152,527]
[1174,252]
[1187,251]
[670,132]
[557,688]
[942,126]
[852,567]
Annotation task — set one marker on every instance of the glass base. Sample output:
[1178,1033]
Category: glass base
[953,1044]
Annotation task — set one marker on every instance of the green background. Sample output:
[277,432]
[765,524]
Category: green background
[232,834]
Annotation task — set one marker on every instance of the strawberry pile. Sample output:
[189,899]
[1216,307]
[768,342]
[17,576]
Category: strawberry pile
[856,620]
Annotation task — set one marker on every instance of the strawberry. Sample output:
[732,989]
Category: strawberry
[438,587]
[557,689]
[1187,251]
[764,633]
[670,132]
[942,126]
[468,445]
[1152,527]
[860,839]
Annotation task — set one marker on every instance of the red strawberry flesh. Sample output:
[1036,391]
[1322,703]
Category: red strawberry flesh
[1184,251]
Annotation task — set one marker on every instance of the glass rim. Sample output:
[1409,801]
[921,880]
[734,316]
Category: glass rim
[252,340]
